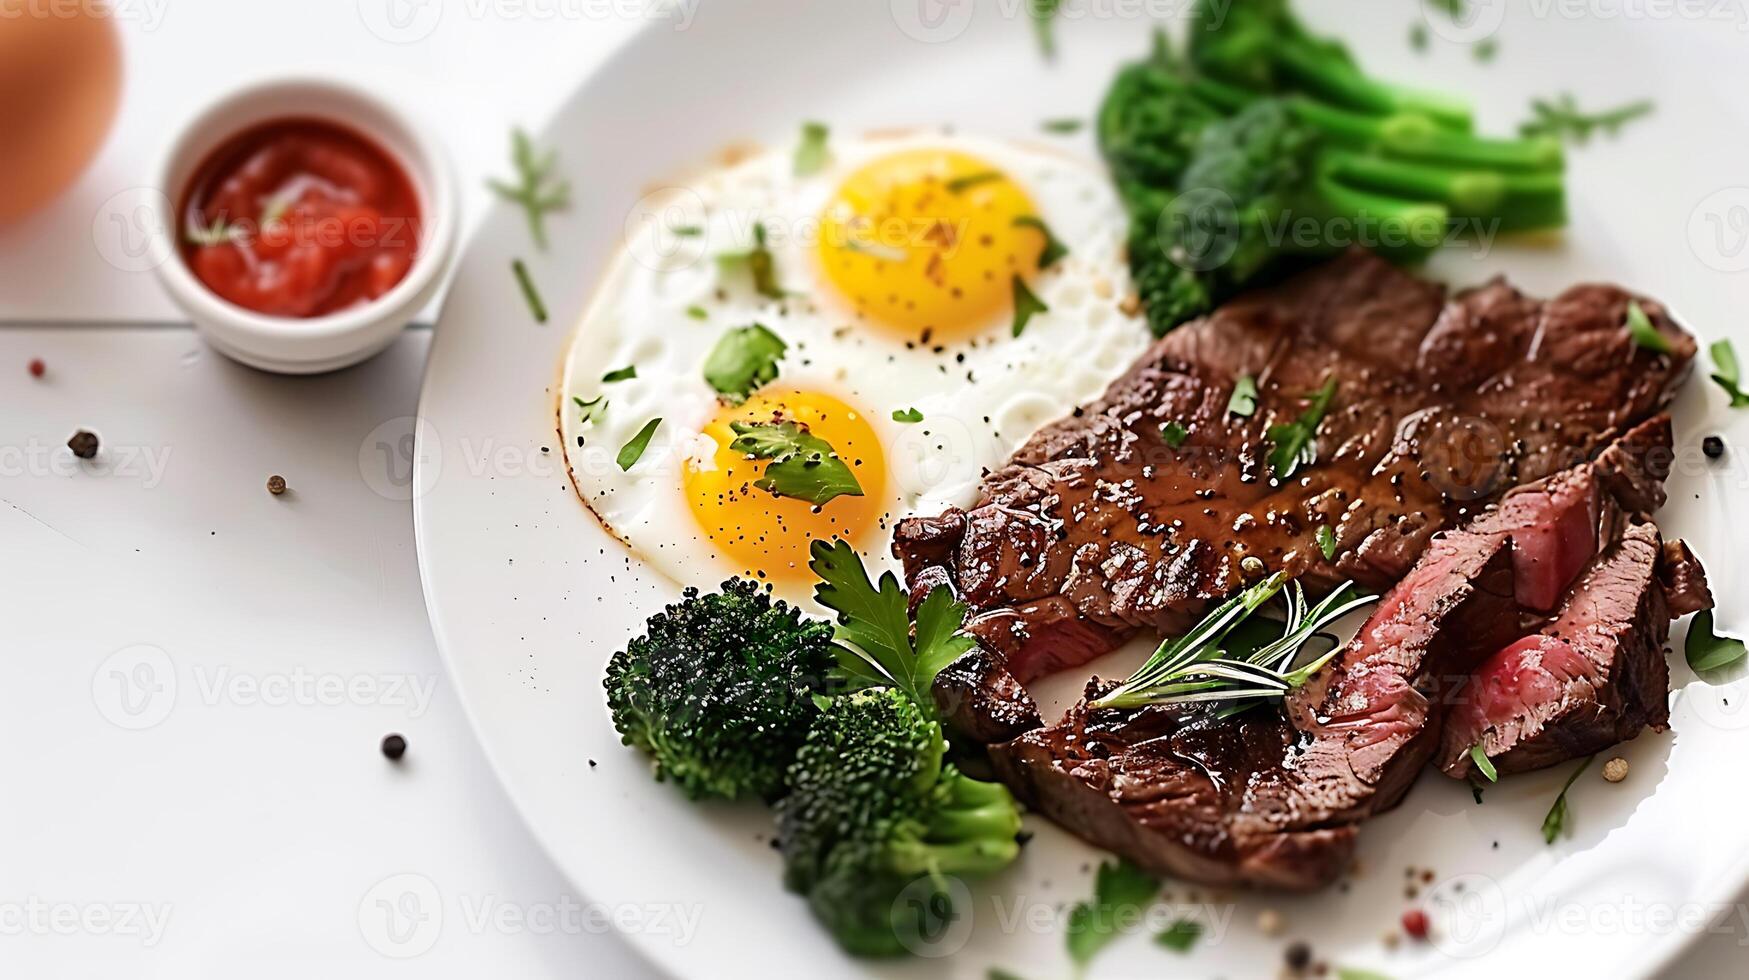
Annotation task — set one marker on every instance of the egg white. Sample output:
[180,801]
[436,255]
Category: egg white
[981,396]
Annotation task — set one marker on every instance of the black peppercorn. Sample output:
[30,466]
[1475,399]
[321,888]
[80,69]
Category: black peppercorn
[1299,956]
[83,444]
[394,746]
[1713,446]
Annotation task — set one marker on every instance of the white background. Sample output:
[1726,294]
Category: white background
[171,737]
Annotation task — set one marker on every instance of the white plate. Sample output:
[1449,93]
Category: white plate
[529,597]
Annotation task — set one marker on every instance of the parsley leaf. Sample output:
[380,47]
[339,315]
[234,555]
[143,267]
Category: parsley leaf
[811,152]
[1044,13]
[803,465]
[698,313]
[632,451]
[969,181]
[1026,305]
[1174,434]
[1725,373]
[1484,765]
[592,408]
[1120,890]
[1180,935]
[758,263]
[1327,541]
[1054,250]
[534,191]
[1244,399]
[1293,440]
[1562,118]
[529,293]
[1644,334]
[876,634]
[743,360]
[1063,127]
[1706,650]
[622,374]
[909,416]
[1556,822]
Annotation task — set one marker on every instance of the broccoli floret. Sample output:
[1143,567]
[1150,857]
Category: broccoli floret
[875,820]
[720,690]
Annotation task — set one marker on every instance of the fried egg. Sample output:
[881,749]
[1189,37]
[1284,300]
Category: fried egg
[892,275]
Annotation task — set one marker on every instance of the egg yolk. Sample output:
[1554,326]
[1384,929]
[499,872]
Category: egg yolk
[768,536]
[929,242]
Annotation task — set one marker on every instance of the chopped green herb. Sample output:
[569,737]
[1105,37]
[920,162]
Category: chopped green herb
[534,190]
[1063,127]
[960,185]
[1054,250]
[1353,973]
[217,233]
[1484,765]
[529,293]
[1120,892]
[1026,305]
[697,313]
[1725,373]
[592,409]
[632,451]
[1180,935]
[1293,441]
[1706,650]
[687,231]
[1451,8]
[1044,14]
[1174,434]
[1486,50]
[743,360]
[623,374]
[1561,118]
[758,263]
[1644,334]
[275,211]
[803,466]
[1327,542]
[909,416]
[1556,822]
[997,973]
[1244,399]
[811,151]
[1418,37]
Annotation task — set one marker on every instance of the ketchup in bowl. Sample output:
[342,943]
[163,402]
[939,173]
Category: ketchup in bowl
[300,218]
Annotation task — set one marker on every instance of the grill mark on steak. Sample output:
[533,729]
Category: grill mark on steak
[1441,408]
[1276,798]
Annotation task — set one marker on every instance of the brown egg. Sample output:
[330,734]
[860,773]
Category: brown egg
[60,79]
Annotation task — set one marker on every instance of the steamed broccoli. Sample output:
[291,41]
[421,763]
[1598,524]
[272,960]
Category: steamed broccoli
[720,690]
[874,821]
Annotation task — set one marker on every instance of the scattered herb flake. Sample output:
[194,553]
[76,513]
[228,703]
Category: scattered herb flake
[687,231]
[632,451]
[535,305]
[910,416]
[1706,650]
[1180,935]
[1044,14]
[592,408]
[1556,822]
[758,263]
[1294,440]
[623,374]
[744,359]
[960,185]
[275,211]
[1725,373]
[1354,973]
[1244,399]
[1026,305]
[1418,37]
[811,151]
[217,233]
[1644,334]
[697,313]
[1486,50]
[1484,765]
[997,973]
[1054,250]
[1120,890]
[534,191]
[1063,127]
[803,465]
[1561,118]
[1174,434]
[1327,542]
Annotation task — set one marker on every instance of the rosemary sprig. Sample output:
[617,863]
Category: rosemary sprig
[1197,667]
[534,191]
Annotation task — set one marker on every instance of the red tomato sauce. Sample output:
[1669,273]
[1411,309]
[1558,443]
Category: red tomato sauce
[300,218]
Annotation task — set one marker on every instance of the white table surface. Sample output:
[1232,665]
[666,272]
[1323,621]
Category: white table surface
[197,674]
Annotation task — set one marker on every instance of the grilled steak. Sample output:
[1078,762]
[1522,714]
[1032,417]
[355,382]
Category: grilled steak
[1098,526]
[1276,798]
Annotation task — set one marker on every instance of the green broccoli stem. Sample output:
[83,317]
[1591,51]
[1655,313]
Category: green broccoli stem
[1406,230]
[1317,71]
[1416,138]
[978,856]
[1504,201]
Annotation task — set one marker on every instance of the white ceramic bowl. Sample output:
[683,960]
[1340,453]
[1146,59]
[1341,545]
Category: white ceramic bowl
[292,345]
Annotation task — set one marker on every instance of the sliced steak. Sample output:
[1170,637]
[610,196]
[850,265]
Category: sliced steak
[1275,798]
[1098,527]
